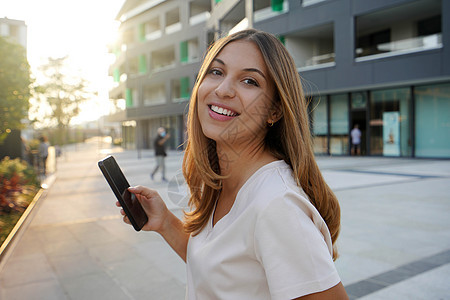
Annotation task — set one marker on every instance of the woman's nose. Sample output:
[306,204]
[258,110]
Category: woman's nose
[225,89]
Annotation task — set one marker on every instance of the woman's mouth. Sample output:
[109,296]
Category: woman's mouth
[220,113]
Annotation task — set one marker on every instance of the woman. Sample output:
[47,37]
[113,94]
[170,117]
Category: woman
[263,222]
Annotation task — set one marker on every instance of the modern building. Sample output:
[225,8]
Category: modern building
[158,57]
[14,30]
[384,65]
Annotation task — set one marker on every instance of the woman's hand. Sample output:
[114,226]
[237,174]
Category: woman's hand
[160,219]
[153,205]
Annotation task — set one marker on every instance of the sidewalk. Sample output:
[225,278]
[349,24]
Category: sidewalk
[394,243]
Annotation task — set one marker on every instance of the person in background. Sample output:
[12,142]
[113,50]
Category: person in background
[160,153]
[25,150]
[356,140]
[262,222]
[43,153]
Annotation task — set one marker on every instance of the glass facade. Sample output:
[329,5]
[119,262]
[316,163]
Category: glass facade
[390,122]
[319,119]
[412,121]
[432,121]
[339,127]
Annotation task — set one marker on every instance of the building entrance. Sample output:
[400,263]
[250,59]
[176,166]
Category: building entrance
[359,117]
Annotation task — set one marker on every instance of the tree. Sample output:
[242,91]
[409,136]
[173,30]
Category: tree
[63,93]
[14,87]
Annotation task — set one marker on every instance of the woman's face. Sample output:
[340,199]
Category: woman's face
[235,98]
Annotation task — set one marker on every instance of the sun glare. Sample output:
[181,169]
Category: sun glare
[79,29]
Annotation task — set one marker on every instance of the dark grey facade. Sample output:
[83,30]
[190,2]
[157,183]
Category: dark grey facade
[384,65]
[348,73]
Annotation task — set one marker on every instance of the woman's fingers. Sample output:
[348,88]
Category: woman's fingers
[143,191]
[126,220]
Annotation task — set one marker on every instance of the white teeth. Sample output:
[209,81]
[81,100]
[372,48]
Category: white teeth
[222,111]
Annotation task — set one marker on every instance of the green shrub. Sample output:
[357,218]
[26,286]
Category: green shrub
[16,178]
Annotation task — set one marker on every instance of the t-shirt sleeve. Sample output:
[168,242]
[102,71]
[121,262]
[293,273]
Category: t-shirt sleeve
[292,249]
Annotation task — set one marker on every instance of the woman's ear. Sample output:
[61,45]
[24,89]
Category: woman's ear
[275,113]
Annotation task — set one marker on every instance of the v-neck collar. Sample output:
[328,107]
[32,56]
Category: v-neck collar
[234,207]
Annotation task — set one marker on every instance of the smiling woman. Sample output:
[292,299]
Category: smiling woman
[235,87]
[263,223]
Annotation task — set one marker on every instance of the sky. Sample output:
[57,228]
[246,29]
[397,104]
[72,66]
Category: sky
[80,29]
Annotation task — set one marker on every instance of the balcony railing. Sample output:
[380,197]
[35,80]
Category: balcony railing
[268,12]
[199,18]
[399,47]
[317,62]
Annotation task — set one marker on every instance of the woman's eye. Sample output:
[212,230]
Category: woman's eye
[215,72]
[251,82]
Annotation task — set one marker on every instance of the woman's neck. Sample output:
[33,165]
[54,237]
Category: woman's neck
[239,166]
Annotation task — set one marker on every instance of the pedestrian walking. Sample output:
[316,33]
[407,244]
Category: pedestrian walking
[160,153]
[262,222]
[43,154]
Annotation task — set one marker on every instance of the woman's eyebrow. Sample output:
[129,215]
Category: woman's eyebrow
[219,61]
[246,69]
[256,71]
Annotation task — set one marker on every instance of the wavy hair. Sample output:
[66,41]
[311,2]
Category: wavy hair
[289,139]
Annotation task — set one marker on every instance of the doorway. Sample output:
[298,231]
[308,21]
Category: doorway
[359,117]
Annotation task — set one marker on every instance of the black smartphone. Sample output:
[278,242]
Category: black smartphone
[119,186]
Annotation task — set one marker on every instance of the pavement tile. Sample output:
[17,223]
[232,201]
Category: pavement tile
[94,286]
[70,266]
[48,290]
[29,269]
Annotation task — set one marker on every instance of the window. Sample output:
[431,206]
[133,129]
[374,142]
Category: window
[150,30]
[414,26]
[432,130]
[235,19]
[265,9]
[313,47]
[137,65]
[319,117]
[173,23]
[154,94]
[199,11]
[390,123]
[163,58]
[133,66]
[189,51]
[180,89]
[339,128]
[128,37]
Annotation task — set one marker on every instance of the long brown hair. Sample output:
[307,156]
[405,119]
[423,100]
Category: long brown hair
[289,139]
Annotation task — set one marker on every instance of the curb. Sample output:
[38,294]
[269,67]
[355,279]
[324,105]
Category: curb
[15,234]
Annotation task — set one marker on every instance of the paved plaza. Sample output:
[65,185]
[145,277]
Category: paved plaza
[394,242]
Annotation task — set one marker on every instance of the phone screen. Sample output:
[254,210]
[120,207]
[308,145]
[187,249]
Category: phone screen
[119,186]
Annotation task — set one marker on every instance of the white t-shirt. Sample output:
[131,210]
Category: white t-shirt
[273,244]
